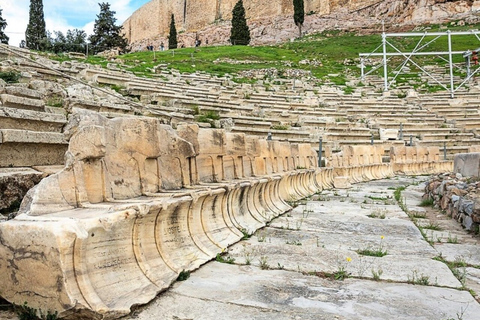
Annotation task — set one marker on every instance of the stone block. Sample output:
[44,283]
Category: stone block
[341,183]
[388,134]
[467,164]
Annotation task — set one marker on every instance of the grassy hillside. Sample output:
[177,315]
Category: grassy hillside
[331,55]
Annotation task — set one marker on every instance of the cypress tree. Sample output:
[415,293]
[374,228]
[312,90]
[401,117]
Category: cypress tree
[298,15]
[3,24]
[106,35]
[239,34]
[36,33]
[172,38]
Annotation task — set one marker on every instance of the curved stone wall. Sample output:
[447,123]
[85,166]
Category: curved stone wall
[139,202]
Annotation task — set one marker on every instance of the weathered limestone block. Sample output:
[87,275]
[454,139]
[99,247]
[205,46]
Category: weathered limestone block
[388,134]
[467,164]
[418,160]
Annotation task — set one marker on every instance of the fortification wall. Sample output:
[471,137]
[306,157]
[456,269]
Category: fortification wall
[153,19]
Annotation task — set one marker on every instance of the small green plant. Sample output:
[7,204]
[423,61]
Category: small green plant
[264,263]
[293,242]
[428,202]
[223,258]
[10,76]
[246,235]
[261,236]
[25,312]
[279,127]
[451,239]
[423,280]
[184,275]
[208,116]
[247,254]
[306,213]
[377,274]
[397,194]
[378,214]
[433,226]
[280,266]
[418,215]
[374,252]
[56,102]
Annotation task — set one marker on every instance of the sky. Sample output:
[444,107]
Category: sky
[61,15]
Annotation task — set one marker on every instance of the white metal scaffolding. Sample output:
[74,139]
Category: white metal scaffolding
[386,56]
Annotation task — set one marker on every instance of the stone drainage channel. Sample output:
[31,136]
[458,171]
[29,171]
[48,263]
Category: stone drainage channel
[341,254]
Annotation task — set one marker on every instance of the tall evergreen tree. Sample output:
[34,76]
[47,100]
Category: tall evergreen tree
[3,24]
[298,15]
[172,38]
[106,35]
[36,33]
[239,34]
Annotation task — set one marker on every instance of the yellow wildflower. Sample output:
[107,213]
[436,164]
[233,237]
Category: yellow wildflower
[381,237]
[349,259]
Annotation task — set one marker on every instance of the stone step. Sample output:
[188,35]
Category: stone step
[23,148]
[12,101]
[12,118]
[99,106]
[21,91]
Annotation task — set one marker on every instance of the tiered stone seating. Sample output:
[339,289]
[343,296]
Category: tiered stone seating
[29,136]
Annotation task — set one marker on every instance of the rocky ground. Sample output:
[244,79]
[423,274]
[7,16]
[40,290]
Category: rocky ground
[343,254]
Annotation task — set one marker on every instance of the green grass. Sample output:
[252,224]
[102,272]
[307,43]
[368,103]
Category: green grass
[337,50]
[429,202]
[10,76]
[372,253]
[397,194]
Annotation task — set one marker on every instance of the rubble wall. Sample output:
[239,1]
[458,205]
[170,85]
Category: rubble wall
[458,197]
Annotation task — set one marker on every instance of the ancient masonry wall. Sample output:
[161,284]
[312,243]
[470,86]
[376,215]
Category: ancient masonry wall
[153,19]
[458,194]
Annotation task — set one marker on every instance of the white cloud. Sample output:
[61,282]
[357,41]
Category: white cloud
[60,15]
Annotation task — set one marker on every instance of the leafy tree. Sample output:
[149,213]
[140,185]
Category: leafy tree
[172,38]
[106,35]
[298,14]
[36,33]
[239,34]
[76,40]
[3,24]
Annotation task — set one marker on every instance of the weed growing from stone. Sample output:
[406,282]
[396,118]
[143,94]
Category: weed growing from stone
[246,235]
[264,263]
[374,252]
[280,266]
[433,226]
[451,239]
[429,202]
[184,275]
[306,213]
[247,254]
[378,214]
[261,236]
[293,242]
[377,274]
[24,312]
[222,258]
[422,279]
[418,215]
